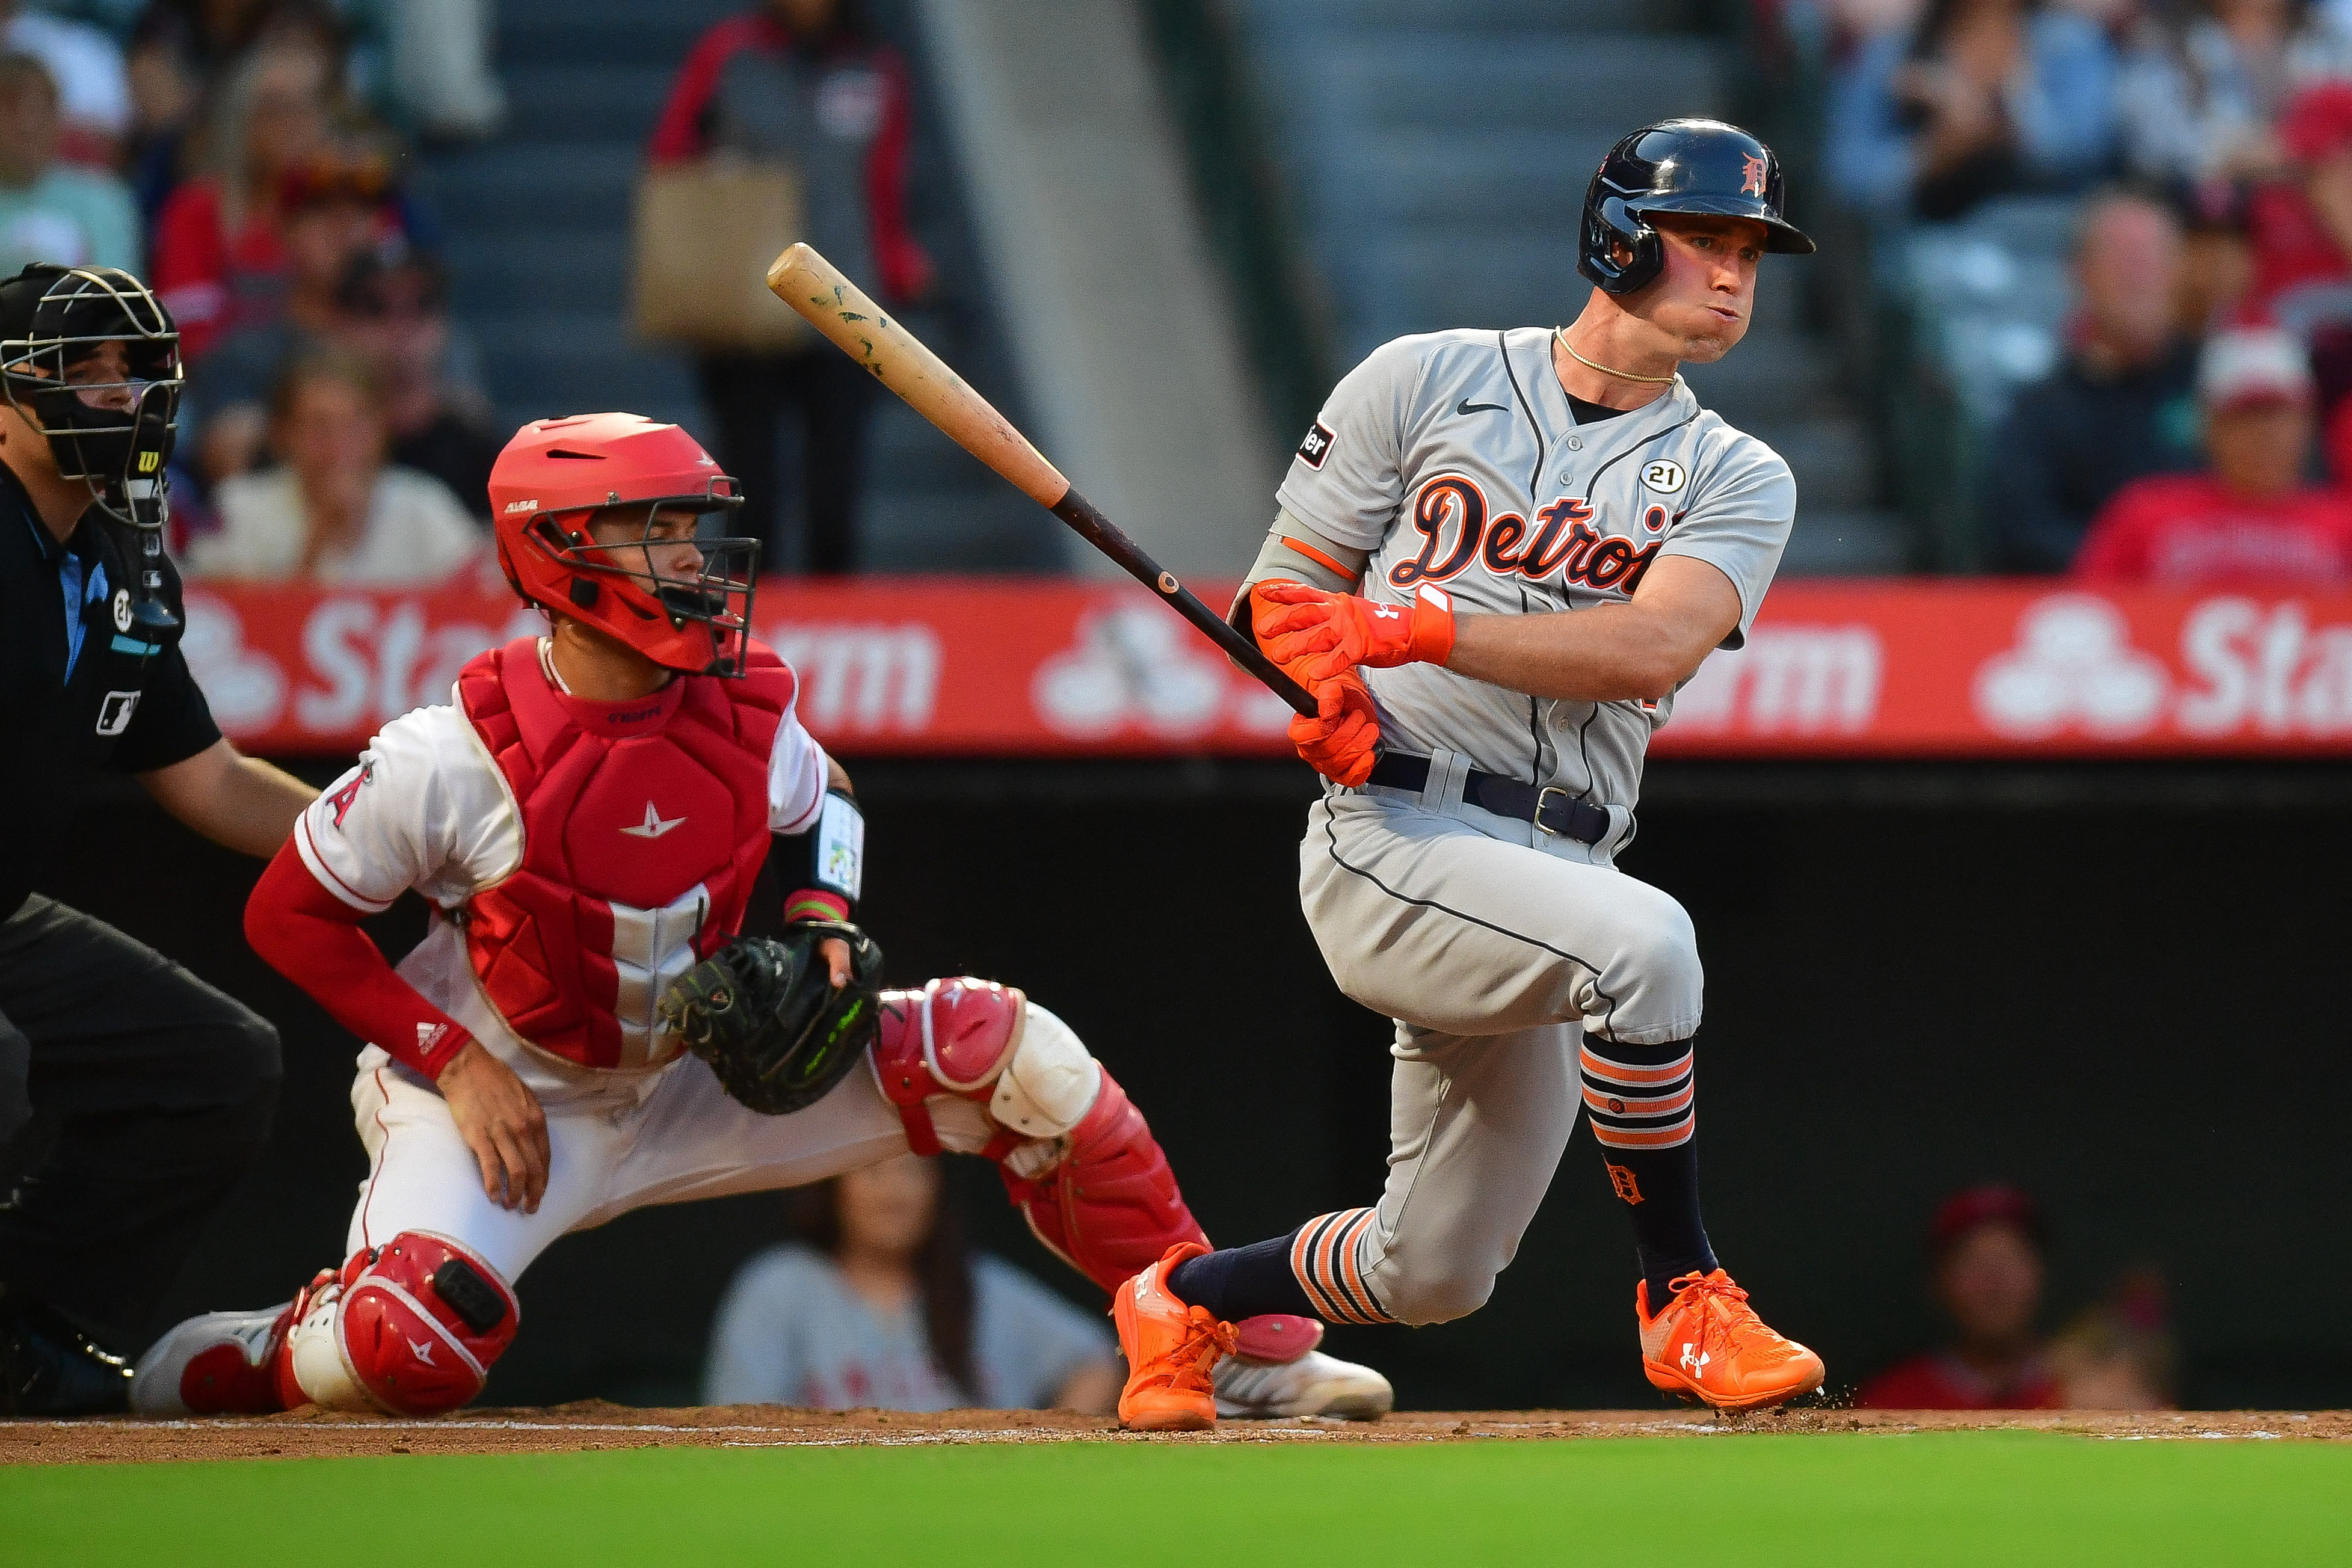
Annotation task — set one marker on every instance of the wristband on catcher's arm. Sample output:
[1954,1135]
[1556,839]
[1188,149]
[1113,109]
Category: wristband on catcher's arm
[831,867]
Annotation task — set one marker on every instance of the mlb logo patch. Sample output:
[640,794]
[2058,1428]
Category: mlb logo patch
[114,713]
[1317,447]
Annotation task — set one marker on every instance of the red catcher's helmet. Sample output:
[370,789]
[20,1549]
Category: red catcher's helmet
[556,472]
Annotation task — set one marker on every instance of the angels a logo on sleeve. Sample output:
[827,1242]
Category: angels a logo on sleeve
[341,799]
[1317,447]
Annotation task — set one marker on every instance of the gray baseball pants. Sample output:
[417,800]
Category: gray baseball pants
[1492,944]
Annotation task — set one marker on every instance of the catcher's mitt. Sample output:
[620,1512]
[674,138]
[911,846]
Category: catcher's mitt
[765,1014]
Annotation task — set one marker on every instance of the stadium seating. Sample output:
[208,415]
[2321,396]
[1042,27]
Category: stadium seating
[1438,156]
[538,224]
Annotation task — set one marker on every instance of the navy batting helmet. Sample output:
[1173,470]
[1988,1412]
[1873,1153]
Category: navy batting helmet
[1677,166]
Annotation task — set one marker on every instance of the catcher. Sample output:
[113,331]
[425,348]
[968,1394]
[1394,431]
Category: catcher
[581,1032]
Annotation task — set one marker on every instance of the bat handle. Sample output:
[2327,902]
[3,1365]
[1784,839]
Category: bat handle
[1107,537]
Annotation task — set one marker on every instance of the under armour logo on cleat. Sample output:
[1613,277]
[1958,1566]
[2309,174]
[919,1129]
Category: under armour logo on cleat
[654,826]
[1697,1364]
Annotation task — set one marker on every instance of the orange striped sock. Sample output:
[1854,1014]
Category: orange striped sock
[1316,1272]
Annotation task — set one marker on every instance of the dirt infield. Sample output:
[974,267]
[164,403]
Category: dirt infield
[310,1432]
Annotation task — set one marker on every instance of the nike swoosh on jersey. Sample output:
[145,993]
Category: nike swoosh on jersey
[1467,406]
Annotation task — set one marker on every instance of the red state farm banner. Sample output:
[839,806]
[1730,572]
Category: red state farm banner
[1930,668]
[931,666]
[898,667]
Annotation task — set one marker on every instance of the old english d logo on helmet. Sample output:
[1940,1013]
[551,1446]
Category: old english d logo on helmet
[1676,166]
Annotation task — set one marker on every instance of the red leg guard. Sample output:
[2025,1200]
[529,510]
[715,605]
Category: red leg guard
[951,1037]
[417,1324]
[1111,1207]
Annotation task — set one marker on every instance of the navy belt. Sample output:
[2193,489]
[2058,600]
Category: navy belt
[1551,808]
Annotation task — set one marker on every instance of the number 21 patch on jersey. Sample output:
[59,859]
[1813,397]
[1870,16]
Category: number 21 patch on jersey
[1317,447]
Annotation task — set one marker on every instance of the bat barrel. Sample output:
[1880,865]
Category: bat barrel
[841,311]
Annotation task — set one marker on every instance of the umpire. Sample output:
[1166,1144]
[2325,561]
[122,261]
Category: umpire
[132,1094]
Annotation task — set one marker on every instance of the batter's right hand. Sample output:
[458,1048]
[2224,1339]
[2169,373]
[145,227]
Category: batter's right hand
[1337,742]
[501,1121]
[1314,634]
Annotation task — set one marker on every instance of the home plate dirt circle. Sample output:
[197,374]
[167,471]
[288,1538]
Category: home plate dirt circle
[310,1432]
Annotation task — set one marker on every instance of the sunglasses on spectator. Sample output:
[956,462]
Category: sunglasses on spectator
[366,182]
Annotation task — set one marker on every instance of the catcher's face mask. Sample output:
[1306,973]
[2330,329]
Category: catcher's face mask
[648,554]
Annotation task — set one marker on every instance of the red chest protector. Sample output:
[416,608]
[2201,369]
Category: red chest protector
[644,825]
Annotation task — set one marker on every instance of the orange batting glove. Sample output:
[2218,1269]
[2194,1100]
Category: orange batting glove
[1315,634]
[1340,740]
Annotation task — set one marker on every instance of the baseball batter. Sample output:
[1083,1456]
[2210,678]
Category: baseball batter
[1497,556]
[587,816]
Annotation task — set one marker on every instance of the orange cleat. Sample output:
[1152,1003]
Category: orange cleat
[1708,1343]
[1172,1351]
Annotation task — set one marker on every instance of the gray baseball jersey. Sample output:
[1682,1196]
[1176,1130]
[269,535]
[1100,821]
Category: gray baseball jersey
[1500,950]
[1454,458]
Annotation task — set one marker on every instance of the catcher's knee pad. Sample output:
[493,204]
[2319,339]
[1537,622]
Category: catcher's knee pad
[1076,1156]
[409,1328]
[973,1043]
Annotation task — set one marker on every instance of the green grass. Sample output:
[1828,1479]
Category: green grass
[1929,1499]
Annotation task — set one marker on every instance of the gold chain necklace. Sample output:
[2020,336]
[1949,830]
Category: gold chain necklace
[1560,336]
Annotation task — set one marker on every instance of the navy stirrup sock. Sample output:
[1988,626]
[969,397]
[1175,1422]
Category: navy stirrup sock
[1242,1281]
[1640,1099]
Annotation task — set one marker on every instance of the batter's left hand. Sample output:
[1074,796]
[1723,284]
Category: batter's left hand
[1314,634]
[1340,740]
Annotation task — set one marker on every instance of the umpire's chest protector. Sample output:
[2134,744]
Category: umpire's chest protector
[644,825]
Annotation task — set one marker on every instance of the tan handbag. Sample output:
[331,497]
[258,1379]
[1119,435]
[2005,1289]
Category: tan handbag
[706,233]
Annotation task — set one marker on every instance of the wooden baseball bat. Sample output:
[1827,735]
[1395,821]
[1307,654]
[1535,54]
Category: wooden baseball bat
[860,328]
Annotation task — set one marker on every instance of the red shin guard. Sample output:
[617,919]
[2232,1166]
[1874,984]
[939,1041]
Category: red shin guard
[1111,1208]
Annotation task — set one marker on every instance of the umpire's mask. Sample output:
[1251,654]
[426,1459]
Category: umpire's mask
[90,357]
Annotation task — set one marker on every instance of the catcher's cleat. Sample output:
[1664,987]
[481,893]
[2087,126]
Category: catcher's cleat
[223,1364]
[1708,1344]
[1172,1351]
[1276,1371]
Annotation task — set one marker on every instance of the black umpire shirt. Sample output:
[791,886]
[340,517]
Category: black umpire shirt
[77,692]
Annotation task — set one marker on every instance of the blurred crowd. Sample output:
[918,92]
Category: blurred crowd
[1988,1250]
[877,1302]
[2186,422]
[244,156]
[247,158]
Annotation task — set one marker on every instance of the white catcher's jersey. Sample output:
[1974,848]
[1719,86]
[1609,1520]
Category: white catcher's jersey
[1455,459]
[426,808]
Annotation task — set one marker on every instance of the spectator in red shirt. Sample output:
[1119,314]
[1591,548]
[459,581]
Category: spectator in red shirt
[330,210]
[2301,236]
[220,257]
[1985,1247]
[803,82]
[2253,519]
